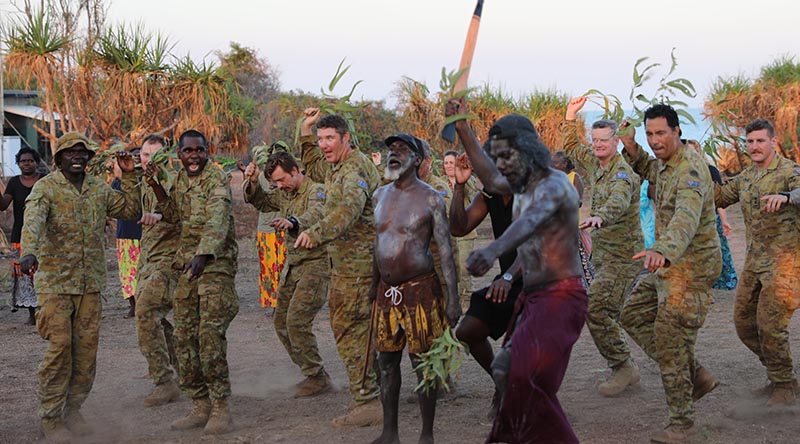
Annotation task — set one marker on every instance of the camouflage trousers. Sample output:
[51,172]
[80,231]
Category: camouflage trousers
[351,314]
[154,294]
[611,283]
[662,316]
[71,323]
[765,303]
[300,297]
[463,247]
[204,309]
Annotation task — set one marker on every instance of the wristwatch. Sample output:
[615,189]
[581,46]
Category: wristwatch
[508,277]
[787,194]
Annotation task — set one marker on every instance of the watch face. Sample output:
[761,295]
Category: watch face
[508,276]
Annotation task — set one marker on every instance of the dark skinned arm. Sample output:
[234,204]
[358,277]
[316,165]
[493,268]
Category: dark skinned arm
[493,181]
[498,290]
[462,221]
[441,233]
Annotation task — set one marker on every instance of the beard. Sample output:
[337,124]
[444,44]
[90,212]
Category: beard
[392,173]
[519,181]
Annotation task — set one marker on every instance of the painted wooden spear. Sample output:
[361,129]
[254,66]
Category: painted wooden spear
[449,131]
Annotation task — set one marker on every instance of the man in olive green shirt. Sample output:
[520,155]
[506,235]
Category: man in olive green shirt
[616,237]
[300,203]
[768,293]
[668,306]
[347,232]
[205,296]
[62,239]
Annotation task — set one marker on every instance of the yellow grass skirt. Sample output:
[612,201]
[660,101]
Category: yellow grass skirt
[271,255]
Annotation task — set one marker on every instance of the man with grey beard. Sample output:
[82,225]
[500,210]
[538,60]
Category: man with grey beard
[410,306]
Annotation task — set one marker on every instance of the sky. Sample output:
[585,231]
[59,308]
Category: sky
[523,46]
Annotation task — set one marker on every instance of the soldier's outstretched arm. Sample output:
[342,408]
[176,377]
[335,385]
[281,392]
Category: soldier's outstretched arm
[619,199]
[218,209]
[492,180]
[315,211]
[37,205]
[675,238]
[441,232]
[127,202]
[728,194]
[343,215]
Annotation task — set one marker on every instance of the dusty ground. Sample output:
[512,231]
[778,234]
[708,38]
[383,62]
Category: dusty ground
[265,411]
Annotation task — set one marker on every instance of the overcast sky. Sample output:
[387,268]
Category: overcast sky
[523,45]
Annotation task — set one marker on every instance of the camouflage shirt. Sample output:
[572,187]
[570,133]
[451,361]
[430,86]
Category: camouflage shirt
[614,199]
[442,187]
[686,230]
[159,241]
[772,238]
[202,207]
[307,205]
[348,228]
[65,229]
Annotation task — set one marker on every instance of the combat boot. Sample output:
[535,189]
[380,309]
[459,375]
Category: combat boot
[703,383]
[197,417]
[367,414]
[782,395]
[623,376]
[766,391]
[55,432]
[163,394]
[220,421]
[674,434]
[75,422]
[313,385]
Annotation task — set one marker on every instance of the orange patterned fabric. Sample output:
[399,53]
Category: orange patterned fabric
[271,256]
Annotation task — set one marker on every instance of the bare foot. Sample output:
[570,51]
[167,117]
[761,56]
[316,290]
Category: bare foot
[386,438]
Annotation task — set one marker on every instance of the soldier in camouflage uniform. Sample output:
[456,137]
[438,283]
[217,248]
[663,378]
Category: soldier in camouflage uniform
[768,294]
[617,236]
[155,288]
[205,296]
[669,305]
[300,203]
[348,233]
[62,239]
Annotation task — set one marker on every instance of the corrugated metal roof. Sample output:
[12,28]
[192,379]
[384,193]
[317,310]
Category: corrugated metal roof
[29,111]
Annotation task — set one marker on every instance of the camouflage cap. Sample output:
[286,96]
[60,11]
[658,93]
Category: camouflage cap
[72,139]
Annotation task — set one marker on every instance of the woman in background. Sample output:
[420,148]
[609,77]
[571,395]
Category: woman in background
[19,187]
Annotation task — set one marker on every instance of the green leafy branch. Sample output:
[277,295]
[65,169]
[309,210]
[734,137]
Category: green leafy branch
[448,86]
[331,104]
[668,90]
[443,359]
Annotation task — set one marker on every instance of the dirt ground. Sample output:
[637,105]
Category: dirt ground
[265,411]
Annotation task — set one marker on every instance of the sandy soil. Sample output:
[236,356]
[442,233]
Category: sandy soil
[265,411]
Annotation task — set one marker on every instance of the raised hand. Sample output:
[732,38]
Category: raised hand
[463,168]
[574,106]
[251,173]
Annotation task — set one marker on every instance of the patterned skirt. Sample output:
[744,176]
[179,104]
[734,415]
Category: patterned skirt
[727,278]
[271,255]
[588,269]
[23,294]
[127,260]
